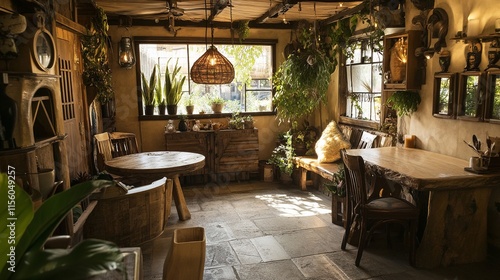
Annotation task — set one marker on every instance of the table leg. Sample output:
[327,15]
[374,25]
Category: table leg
[456,230]
[168,199]
[180,201]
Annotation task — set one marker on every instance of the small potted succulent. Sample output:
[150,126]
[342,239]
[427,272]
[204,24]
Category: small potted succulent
[189,105]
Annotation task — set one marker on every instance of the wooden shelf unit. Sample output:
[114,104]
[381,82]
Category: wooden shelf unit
[413,77]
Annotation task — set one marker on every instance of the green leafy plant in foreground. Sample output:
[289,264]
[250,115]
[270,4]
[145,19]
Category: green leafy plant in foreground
[25,232]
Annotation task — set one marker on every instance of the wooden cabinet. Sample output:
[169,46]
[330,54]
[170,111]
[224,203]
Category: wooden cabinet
[233,152]
[402,68]
[195,142]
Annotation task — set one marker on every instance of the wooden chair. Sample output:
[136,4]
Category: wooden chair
[386,141]
[373,212]
[124,143]
[103,150]
[367,140]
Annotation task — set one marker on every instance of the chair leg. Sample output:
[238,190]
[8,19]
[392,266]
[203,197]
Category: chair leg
[413,237]
[346,233]
[362,241]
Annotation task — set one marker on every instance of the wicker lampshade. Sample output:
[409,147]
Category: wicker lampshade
[212,68]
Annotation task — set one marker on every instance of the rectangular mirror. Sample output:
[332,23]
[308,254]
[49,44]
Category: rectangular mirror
[492,108]
[470,96]
[445,96]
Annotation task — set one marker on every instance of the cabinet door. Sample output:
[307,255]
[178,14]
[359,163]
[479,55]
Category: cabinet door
[194,142]
[236,151]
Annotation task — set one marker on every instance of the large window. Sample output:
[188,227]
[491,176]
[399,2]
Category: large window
[250,91]
[364,82]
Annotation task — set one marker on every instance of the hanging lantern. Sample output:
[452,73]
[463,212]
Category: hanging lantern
[126,54]
[212,67]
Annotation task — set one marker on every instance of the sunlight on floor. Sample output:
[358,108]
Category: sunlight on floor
[295,206]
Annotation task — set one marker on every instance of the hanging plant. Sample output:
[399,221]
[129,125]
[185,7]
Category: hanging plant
[243,30]
[96,71]
[301,83]
[404,102]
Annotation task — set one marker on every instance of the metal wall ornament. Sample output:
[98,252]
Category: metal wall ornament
[435,26]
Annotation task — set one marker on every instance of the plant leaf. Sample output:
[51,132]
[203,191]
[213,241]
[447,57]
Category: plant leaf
[51,213]
[22,212]
[88,258]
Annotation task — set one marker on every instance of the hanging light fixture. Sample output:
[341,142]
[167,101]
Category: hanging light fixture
[126,54]
[212,67]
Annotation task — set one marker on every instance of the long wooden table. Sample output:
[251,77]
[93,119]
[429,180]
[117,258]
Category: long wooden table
[456,228]
[159,164]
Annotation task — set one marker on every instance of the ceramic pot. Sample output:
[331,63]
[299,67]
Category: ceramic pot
[46,178]
[149,110]
[172,109]
[190,109]
[182,125]
[217,108]
[161,109]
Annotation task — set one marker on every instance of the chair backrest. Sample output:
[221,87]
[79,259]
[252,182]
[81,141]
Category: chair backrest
[124,143]
[386,141]
[367,140]
[355,180]
[103,150]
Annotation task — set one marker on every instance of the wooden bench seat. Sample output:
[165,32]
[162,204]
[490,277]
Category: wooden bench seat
[309,165]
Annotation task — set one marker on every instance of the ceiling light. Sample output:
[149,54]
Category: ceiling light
[212,67]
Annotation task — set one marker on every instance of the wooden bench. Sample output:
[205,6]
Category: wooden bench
[311,172]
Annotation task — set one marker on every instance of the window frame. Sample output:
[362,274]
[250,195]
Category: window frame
[344,91]
[198,40]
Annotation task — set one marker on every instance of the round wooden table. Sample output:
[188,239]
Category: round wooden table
[159,164]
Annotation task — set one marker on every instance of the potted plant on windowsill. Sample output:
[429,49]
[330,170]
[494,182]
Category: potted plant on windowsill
[217,104]
[189,105]
[148,92]
[173,87]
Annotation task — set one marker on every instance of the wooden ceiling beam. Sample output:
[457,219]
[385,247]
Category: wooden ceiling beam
[343,14]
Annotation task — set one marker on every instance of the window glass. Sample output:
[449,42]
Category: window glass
[250,91]
[364,83]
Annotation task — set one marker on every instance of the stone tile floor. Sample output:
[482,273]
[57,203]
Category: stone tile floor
[256,230]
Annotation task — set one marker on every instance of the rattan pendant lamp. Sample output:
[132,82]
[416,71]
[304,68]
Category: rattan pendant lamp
[212,67]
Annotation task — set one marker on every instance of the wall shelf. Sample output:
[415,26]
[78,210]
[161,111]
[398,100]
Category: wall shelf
[412,76]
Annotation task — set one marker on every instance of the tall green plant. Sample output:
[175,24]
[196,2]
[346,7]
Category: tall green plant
[173,84]
[149,87]
[26,232]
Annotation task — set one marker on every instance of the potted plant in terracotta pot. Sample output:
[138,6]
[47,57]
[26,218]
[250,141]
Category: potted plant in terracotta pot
[189,105]
[173,87]
[148,92]
[217,103]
